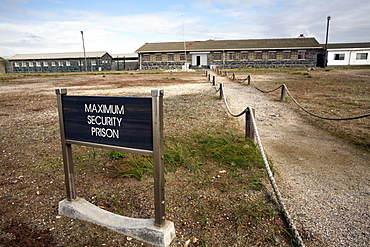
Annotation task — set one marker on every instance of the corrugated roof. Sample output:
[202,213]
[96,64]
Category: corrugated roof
[44,56]
[250,44]
[348,45]
[128,55]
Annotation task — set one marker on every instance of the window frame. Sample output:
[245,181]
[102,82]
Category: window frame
[287,55]
[301,55]
[217,56]
[272,55]
[170,57]
[146,57]
[339,56]
[158,57]
[231,55]
[257,55]
[362,55]
[244,55]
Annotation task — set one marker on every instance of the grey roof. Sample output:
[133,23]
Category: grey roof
[125,55]
[348,45]
[44,56]
[249,44]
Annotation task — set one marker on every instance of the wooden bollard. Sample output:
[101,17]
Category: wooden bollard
[249,130]
[214,80]
[283,89]
[221,90]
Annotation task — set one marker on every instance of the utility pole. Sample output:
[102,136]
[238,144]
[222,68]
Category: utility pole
[326,42]
[183,36]
[83,44]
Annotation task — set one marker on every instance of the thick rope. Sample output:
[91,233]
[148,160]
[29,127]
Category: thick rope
[305,110]
[326,118]
[283,209]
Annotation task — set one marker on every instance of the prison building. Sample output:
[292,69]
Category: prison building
[126,61]
[228,54]
[60,62]
[344,54]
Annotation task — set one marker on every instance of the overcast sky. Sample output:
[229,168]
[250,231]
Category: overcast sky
[123,26]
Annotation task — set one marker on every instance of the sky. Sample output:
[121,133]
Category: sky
[123,26]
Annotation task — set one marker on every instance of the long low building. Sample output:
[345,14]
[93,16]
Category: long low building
[60,62]
[254,53]
[344,54]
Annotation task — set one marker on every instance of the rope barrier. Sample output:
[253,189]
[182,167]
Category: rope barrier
[283,209]
[304,109]
[326,118]
[275,188]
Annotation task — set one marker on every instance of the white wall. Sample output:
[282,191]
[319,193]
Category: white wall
[349,57]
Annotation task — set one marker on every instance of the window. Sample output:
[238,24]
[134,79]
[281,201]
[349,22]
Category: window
[244,55]
[170,57]
[38,64]
[230,55]
[146,57]
[361,56]
[23,64]
[301,54]
[182,56]
[16,64]
[158,57]
[68,63]
[258,55]
[339,56]
[286,54]
[272,55]
[93,62]
[30,64]
[217,56]
[53,63]
[46,64]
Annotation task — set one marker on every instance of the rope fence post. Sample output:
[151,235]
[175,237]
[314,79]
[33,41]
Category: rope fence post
[209,77]
[214,80]
[249,80]
[221,90]
[234,76]
[249,129]
[283,90]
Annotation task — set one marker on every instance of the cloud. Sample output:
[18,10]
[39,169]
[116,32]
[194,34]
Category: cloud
[32,31]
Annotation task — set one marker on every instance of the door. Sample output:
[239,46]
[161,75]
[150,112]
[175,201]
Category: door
[198,60]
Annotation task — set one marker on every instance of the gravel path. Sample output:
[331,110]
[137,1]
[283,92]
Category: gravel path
[324,181]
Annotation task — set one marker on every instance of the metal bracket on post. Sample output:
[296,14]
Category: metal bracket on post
[66,149]
[157,105]
[283,89]
[249,130]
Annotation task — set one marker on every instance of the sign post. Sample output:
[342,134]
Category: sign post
[129,124]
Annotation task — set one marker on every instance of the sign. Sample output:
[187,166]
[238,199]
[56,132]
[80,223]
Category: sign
[116,121]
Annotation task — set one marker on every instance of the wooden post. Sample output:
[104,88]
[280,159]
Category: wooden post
[158,158]
[214,80]
[249,130]
[66,150]
[283,89]
[221,90]
[249,80]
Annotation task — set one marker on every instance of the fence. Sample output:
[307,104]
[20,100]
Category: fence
[284,91]
[251,132]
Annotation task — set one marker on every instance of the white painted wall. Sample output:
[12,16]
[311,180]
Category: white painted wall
[349,57]
[203,58]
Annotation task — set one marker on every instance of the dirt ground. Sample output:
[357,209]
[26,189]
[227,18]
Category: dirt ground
[32,175]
